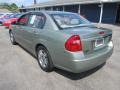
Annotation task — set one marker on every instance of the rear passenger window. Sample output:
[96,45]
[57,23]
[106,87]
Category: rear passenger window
[37,21]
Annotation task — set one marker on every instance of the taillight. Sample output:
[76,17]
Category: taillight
[73,44]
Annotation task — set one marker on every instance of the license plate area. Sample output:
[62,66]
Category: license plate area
[99,42]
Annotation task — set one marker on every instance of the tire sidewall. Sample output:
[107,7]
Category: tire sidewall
[12,41]
[49,65]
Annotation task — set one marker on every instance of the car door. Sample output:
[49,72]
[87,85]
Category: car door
[31,31]
[19,29]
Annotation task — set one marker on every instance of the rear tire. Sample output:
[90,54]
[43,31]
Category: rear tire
[12,39]
[44,59]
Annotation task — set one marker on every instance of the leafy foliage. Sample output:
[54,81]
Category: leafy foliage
[11,7]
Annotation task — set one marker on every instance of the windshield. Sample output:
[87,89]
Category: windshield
[69,20]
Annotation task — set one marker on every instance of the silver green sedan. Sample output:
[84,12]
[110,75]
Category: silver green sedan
[62,39]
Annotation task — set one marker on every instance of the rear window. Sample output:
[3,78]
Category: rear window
[69,20]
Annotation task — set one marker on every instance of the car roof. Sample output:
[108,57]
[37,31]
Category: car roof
[51,12]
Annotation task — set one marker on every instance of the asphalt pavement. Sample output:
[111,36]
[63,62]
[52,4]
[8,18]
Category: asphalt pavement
[19,70]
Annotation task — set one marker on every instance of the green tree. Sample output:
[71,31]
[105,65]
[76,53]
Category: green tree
[12,7]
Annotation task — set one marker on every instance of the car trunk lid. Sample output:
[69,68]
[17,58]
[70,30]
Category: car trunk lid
[92,38]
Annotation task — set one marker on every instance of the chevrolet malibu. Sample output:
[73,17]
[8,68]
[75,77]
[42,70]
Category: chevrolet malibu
[62,39]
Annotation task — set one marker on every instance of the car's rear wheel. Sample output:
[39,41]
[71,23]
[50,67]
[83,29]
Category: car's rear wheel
[12,39]
[44,59]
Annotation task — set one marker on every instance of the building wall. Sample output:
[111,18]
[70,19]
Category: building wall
[48,8]
[91,12]
[118,14]
[71,8]
[23,10]
[109,13]
[58,8]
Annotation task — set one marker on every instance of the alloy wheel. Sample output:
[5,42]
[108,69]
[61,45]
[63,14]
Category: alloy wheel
[43,58]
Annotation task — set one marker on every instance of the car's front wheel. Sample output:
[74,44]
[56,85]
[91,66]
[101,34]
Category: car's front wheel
[12,39]
[44,59]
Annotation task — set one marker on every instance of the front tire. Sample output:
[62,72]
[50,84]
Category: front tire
[12,39]
[44,59]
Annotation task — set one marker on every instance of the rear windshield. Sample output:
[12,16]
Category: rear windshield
[69,20]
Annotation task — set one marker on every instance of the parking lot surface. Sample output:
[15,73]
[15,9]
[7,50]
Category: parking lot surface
[20,71]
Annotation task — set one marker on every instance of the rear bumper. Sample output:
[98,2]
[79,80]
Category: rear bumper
[92,61]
